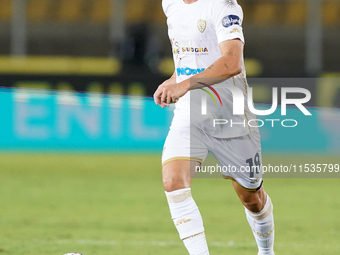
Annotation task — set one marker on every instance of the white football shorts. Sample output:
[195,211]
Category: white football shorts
[238,157]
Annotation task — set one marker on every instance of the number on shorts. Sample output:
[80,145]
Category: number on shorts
[257,161]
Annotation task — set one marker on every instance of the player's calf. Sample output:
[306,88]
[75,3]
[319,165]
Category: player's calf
[262,225]
[259,212]
[183,209]
[188,221]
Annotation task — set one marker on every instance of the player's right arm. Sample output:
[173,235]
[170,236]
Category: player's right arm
[171,80]
[168,82]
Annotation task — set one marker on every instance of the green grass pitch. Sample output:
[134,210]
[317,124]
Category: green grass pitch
[115,204]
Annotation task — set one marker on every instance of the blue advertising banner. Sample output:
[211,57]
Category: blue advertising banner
[53,121]
[47,120]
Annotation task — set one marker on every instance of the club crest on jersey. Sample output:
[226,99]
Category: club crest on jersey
[201,25]
[231,20]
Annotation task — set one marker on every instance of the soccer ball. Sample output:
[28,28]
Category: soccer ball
[73,253]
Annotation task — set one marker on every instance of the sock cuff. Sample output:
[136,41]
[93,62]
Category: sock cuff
[178,196]
[267,210]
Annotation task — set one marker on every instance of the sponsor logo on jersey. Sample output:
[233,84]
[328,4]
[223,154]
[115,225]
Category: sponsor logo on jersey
[188,71]
[177,50]
[201,25]
[231,20]
[189,50]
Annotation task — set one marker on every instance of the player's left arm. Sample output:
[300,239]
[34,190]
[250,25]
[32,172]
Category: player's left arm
[227,66]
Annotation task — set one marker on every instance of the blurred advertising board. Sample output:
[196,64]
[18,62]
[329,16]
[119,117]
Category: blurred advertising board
[42,120]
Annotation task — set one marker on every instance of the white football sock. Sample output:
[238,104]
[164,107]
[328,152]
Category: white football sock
[262,225]
[188,221]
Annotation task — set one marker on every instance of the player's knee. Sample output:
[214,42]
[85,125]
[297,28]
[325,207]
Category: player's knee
[168,184]
[173,183]
[176,175]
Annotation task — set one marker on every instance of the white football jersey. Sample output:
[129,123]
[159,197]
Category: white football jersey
[195,31]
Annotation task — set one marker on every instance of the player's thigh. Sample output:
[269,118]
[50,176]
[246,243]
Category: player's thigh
[183,152]
[178,174]
[239,158]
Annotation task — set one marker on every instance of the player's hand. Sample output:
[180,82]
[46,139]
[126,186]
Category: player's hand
[157,95]
[167,94]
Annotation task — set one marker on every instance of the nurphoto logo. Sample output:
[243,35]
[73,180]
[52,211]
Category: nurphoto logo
[238,104]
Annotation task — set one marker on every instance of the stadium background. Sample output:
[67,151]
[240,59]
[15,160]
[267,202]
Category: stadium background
[81,138]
